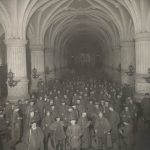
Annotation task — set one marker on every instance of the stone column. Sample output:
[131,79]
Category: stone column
[127,59]
[116,63]
[57,64]
[142,49]
[37,61]
[16,62]
[49,62]
[109,63]
[62,64]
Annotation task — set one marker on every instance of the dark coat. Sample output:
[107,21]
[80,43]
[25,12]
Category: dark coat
[34,139]
[74,133]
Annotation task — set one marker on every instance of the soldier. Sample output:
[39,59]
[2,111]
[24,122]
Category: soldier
[70,115]
[84,125]
[15,127]
[118,104]
[46,122]
[102,130]
[114,120]
[134,112]
[29,120]
[74,99]
[145,104]
[97,109]
[74,135]
[57,101]
[40,106]
[132,107]
[3,132]
[80,107]
[126,115]
[90,109]
[34,138]
[106,109]
[85,99]
[126,131]
[58,135]
[54,112]
[7,112]
[63,109]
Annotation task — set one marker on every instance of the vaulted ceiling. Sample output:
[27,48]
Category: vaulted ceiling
[57,22]
[108,21]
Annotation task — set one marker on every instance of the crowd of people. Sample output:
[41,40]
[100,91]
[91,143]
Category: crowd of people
[77,113]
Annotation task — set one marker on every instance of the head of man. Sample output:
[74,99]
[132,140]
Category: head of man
[106,104]
[32,114]
[63,103]
[16,109]
[102,102]
[34,125]
[74,106]
[91,102]
[51,102]
[78,101]
[84,114]
[58,119]
[100,114]
[111,109]
[73,122]
[53,107]
[126,108]
[96,105]
[48,113]
[147,95]
[31,103]
[70,109]
[1,115]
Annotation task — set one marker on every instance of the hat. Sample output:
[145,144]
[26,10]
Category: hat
[16,108]
[33,121]
[63,101]
[146,94]
[96,103]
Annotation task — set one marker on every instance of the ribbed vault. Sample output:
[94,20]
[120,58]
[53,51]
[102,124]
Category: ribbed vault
[55,23]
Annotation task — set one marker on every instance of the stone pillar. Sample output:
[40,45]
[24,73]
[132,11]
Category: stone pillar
[62,64]
[127,59]
[16,62]
[142,49]
[116,63]
[109,63]
[49,62]
[57,64]
[37,61]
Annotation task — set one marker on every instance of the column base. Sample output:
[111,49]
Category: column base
[20,91]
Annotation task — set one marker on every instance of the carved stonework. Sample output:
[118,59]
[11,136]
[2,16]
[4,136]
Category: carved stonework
[80,4]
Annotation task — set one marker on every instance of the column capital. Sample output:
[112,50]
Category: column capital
[142,36]
[15,42]
[127,44]
[37,47]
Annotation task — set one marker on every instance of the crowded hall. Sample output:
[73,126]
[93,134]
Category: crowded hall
[74,74]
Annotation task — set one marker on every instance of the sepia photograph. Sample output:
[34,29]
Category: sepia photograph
[74,74]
